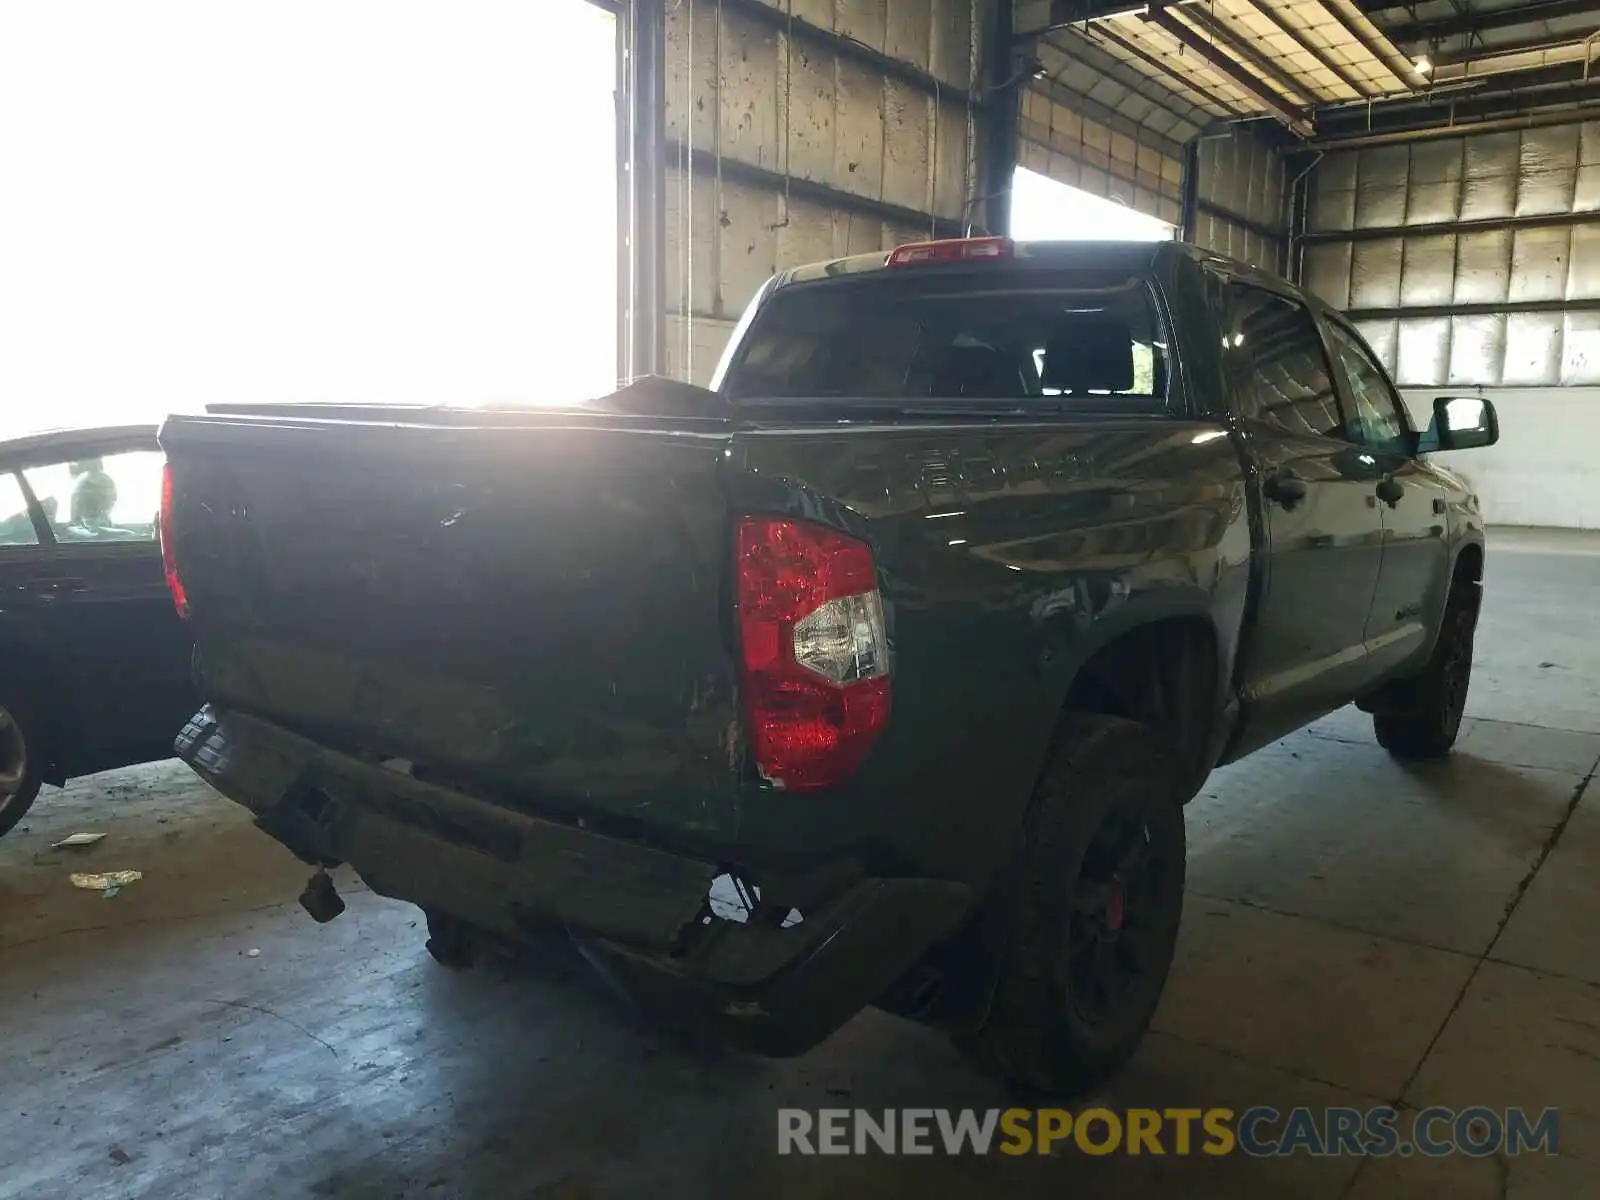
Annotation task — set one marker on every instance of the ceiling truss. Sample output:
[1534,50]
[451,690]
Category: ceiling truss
[1331,69]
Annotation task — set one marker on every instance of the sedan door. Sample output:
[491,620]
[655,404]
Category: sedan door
[96,601]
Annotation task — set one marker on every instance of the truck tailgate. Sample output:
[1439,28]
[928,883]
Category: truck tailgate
[534,606]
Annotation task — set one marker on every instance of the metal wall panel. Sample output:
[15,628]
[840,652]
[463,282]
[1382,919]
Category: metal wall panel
[1475,220]
[1583,277]
[1533,349]
[1483,267]
[1539,264]
[1580,348]
[1423,352]
[1240,186]
[748,92]
[1375,274]
[1078,141]
[1381,186]
[1243,174]
[1325,272]
[1477,350]
[1384,338]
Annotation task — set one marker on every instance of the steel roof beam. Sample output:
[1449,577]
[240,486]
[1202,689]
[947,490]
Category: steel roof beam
[1223,35]
[1265,9]
[1064,14]
[1502,18]
[1262,93]
[1108,33]
[1372,47]
[1512,94]
[1127,76]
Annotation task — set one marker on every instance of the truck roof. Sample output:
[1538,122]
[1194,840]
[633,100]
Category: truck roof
[1109,256]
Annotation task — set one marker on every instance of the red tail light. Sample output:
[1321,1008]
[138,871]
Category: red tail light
[815,651]
[169,556]
[951,250]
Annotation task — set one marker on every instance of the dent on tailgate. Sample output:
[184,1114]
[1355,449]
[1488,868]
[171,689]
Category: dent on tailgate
[535,612]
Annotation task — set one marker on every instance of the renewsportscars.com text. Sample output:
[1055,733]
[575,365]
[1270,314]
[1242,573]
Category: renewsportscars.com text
[1259,1132]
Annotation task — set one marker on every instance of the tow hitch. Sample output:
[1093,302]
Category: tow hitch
[321,899]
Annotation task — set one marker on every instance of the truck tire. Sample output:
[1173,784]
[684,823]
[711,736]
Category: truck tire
[1428,724]
[450,941]
[21,759]
[1094,910]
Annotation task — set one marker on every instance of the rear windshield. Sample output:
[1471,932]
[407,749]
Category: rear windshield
[954,337]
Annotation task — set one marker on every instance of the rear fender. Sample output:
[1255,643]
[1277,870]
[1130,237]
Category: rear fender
[1068,652]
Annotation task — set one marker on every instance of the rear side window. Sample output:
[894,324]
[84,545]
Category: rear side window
[1280,371]
[1377,421]
[886,339]
[16,522]
[100,498]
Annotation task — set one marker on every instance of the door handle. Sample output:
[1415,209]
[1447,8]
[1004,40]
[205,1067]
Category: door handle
[1390,490]
[51,589]
[1285,487]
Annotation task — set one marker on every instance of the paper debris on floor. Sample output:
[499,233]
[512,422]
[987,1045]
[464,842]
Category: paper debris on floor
[77,839]
[105,881]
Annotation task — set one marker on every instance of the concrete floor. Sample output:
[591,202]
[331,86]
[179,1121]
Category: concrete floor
[1357,933]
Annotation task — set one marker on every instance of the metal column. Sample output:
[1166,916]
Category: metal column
[642,216]
[1004,94]
[1189,190]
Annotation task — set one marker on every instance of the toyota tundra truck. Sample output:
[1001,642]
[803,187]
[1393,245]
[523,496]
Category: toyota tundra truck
[878,673]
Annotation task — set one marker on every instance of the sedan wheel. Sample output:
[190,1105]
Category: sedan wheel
[19,765]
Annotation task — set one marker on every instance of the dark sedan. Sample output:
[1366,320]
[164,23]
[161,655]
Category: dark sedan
[94,660]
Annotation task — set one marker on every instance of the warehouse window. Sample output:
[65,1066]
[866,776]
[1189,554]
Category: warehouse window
[361,201]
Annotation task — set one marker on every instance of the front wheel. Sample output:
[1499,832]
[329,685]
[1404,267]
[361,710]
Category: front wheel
[1426,727]
[1096,913]
[21,760]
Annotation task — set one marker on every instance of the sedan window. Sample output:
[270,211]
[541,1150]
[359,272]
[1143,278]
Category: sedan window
[101,498]
[16,525]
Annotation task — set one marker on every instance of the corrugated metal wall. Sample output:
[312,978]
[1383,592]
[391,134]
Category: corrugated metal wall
[1239,208]
[783,150]
[1468,261]
[1106,152]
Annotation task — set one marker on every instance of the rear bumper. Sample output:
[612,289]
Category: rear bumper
[641,913]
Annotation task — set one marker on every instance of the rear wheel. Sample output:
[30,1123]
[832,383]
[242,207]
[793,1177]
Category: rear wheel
[451,941]
[1096,911]
[21,760]
[1427,725]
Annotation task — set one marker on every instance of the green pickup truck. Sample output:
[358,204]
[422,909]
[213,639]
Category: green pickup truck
[877,674]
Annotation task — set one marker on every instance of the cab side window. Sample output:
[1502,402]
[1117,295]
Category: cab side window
[1276,361]
[100,498]
[1377,421]
[16,523]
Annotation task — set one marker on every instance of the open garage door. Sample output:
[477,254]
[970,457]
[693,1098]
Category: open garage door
[354,201]
[1042,208]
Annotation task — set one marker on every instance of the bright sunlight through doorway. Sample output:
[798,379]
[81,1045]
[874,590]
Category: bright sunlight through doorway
[332,200]
[1046,210]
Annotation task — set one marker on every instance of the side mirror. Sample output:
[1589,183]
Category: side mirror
[1461,423]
